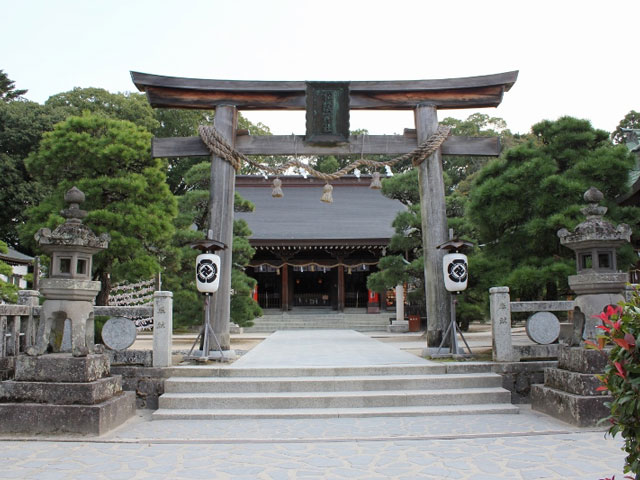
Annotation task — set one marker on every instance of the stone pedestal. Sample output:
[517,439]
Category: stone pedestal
[569,391]
[596,291]
[59,393]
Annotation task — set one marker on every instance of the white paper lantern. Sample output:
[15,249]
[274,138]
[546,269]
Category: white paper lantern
[207,272]
[456,272]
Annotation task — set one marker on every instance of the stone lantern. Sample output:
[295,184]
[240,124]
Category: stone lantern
[69,291]
[598,282]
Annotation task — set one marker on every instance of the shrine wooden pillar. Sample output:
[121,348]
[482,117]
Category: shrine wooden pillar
[284,289]
[341,292]
[434,228]
[222,191]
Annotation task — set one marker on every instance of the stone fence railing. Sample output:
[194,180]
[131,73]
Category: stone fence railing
[501,308]
[18,324]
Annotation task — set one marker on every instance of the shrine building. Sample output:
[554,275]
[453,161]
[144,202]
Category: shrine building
[313,254]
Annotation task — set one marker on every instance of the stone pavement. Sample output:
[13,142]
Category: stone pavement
[475,447]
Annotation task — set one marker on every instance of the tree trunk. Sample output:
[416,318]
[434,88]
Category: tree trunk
[103,294]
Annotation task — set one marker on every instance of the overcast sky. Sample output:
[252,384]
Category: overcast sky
[578,58]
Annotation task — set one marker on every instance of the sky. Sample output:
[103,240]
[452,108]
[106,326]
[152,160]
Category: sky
[577,58]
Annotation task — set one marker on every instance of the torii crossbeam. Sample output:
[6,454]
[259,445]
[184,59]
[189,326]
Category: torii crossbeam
[425,97]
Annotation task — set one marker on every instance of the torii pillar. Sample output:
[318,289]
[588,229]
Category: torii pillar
[434,227]
[221,199]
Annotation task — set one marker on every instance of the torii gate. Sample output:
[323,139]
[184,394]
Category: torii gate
[425,97]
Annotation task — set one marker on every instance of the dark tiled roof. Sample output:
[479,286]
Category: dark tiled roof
[357,212]
[15,257]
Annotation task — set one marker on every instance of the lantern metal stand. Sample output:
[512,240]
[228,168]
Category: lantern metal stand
[456,272]
[206,272]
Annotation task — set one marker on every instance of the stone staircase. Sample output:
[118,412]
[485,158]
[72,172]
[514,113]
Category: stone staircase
[208,392]
[328,319]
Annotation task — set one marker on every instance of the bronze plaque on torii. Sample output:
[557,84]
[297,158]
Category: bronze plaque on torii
[327,113]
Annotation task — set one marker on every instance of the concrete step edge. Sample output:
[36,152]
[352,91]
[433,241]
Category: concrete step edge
[215,414]
[373,370]
[348,393]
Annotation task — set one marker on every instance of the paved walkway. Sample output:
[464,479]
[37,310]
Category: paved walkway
[324,348]
[470,447]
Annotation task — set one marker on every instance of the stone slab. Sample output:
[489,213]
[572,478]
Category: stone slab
[582,411]
[577,383]
[527,352]
[35,418]
[61,367]
[143,358]
[119,333]
[581,360]
[57,393]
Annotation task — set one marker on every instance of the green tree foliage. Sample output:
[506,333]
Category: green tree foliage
[133,107]
[126,190]
[630,120]
[22,124]
[407,264]
[8,292]
[191,223]
[8,90]
[518,203]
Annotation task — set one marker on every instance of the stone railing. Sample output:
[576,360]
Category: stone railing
[501,308]
[18,324]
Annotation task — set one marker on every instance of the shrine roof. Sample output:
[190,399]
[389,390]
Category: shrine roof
[358,214]
[14,257]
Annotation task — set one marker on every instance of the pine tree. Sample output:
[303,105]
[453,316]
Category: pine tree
[126,191]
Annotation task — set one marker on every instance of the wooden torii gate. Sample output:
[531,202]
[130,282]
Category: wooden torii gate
[424,97]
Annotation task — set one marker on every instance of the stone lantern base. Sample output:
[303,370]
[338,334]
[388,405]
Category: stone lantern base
[596,291]
[570,391]
[59,393]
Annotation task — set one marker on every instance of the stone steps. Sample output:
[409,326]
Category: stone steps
[206,392]
[273,328]
[333,321]
[330,383]
[266,413]
[333,399]
[304,371]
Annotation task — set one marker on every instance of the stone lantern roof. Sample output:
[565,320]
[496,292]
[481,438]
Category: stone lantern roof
[72,234]
[595,230]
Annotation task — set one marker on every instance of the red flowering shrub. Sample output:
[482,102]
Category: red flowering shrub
[621,329]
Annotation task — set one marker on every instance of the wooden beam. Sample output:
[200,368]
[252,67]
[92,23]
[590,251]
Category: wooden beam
[449,93]
[288,145]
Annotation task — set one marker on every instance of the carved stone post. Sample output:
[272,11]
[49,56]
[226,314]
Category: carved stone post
[223,183]
[434,228]
[162,328]
[500,307]
[399,302]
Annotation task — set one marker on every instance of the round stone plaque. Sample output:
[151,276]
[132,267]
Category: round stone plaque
[543,328]
[119,333]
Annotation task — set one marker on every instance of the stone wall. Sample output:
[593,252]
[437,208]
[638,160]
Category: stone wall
[517,377]
[146,382]
[139,376]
